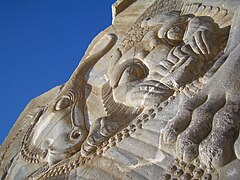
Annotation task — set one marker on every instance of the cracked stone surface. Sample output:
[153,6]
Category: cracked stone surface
[156,96]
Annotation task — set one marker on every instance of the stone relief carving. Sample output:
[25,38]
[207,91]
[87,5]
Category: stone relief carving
[62,126]
[170,92]
[183,45]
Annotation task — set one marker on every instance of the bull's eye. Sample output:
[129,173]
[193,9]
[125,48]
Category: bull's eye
[63,103]
[76,134]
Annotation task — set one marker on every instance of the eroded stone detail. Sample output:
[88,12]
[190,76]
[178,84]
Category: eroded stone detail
[194,170]
[172,77]
[62,127]
[184,52]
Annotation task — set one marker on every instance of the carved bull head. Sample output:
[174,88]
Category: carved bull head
[63,126]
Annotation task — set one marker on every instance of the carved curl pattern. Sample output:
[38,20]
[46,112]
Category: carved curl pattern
[166,54]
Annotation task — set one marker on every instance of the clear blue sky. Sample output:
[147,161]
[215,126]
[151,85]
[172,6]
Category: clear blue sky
[41,43]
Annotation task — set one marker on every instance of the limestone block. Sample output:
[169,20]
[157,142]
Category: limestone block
[156,96]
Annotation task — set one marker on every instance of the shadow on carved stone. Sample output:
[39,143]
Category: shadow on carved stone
[159,101]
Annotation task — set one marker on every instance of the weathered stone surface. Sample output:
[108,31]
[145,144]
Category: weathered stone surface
[156,96]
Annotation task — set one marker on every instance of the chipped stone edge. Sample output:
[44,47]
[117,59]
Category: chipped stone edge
[120,6]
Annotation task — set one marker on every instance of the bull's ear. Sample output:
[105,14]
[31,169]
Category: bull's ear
[78,117]
[79,120]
